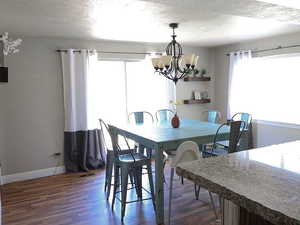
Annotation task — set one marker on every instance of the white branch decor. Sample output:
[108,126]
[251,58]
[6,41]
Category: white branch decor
[9,45]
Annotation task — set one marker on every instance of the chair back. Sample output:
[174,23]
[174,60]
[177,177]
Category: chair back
[246,117]
[236,130]
[213,116]
[140,117]
[108,142]
[164,115]
[105,135]
[186,152]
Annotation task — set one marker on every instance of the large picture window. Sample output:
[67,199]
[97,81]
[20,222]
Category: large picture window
[120,87]
[268,88]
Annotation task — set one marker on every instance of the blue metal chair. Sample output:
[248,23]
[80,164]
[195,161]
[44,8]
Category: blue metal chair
[213,116]
[236,130]
[131,163]
[140,117]
[164,115]
[107,144]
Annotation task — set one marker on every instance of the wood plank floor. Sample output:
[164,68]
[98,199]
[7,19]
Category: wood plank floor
[69,199]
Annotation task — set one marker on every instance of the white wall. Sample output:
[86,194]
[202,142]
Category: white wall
[264,134]
[32,100]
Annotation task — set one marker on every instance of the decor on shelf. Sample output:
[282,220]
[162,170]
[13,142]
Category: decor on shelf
[7,47]
[175,65]
[204,95]
[197,95]
[202,72]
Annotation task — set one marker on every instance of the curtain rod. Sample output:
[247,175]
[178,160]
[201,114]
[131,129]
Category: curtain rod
[271,49]
[135,53]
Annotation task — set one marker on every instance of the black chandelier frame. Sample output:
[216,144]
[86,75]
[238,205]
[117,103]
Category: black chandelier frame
[173,71]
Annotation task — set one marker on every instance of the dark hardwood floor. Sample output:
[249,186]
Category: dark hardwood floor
[70,199]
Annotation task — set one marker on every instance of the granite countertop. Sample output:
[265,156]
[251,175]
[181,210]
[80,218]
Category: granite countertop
[265,181]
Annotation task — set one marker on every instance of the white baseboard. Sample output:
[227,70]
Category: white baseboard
[32,174]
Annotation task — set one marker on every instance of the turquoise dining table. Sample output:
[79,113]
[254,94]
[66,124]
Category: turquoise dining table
[160,137]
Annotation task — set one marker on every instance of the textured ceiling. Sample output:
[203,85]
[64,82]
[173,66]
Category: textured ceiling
[202,22]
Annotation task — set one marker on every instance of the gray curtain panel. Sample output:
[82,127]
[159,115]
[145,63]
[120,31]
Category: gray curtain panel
[83,148]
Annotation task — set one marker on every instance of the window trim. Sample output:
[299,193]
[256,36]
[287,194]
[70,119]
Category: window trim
[277,124]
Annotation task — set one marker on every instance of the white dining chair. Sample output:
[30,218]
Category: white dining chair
[186,152]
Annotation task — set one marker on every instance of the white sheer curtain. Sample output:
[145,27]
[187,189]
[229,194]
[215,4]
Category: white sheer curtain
[74,68]
[238,85]
[82,145]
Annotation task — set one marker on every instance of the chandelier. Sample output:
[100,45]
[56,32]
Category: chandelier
[175,65]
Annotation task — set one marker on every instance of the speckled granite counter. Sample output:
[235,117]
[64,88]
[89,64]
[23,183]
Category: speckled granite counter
[265,181]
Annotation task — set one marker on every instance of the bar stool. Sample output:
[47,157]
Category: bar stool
[126,164]
[107,144]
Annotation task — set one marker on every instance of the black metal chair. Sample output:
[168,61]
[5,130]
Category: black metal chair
[245,117]
[236,130]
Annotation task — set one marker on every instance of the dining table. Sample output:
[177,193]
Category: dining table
[161,136]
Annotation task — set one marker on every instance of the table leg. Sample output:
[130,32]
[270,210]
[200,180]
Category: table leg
[159,185]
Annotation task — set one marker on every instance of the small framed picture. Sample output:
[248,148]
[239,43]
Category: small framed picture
[197,95]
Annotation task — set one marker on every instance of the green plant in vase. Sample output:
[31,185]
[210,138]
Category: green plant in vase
[203,72]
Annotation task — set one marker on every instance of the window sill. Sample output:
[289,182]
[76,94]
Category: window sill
[277,124]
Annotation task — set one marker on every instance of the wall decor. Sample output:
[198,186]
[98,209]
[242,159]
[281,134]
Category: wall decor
[197,95]
[7,47]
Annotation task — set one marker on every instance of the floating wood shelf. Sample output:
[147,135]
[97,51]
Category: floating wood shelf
[198,101]
[196,79]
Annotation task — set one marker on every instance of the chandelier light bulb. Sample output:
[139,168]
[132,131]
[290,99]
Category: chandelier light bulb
[189,59]
[195,61]
[161,64]
[155,62]
[166,60]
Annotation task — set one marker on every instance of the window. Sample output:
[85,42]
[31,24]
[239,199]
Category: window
[146,91]
[268,88]
[120,87]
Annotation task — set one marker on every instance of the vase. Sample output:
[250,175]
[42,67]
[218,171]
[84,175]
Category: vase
[175,121]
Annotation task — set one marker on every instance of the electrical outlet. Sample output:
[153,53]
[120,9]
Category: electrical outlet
[57,154]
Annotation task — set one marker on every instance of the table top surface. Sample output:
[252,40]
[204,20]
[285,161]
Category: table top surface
[267,180]
[163,131]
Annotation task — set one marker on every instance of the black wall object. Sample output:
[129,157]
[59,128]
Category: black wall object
[4,74]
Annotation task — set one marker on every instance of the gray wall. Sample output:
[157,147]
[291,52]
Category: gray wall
[264,133]
[32,100]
